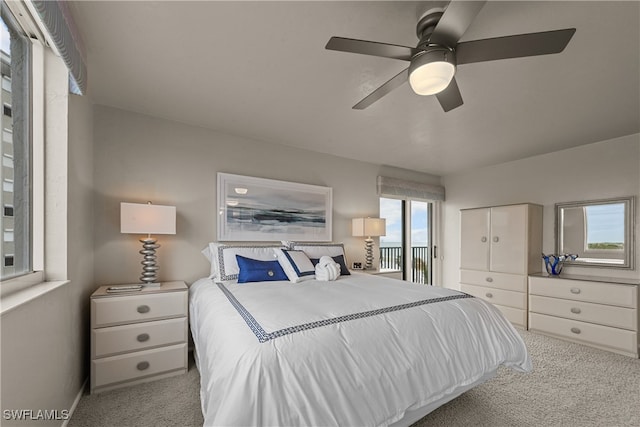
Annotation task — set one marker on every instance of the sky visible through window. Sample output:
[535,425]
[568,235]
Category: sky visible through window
[391,210]
[605,223]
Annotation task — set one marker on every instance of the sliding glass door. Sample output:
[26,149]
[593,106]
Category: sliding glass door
[408,244]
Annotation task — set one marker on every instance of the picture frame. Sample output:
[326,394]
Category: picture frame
[260,209]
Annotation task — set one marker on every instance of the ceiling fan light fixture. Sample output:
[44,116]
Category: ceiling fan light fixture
[432,71]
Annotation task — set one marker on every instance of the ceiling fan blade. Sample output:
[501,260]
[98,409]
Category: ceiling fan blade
[454,22]
[450,98]
[390,85]
[517,46]
[365,47]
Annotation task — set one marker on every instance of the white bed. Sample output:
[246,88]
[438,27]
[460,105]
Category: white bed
[362,350]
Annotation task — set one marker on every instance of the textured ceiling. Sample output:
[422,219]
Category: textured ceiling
[260,70]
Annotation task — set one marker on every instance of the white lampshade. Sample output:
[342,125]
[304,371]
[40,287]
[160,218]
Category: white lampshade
[137,218]
[369,227]
[431,72]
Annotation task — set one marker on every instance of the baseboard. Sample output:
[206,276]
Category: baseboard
[65,423]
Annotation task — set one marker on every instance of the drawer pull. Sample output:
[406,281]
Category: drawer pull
[143,337]
[575,330]
[483,239]
[489,279]
[496,239]
[143,309]
[489,295]
[575,310]
[142,366]
[575,290]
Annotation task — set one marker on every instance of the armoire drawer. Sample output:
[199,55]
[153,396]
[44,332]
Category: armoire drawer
[497,296]
[598,335]
[579,290]
[138,336]
[516,316]
[608,315]
[506,281]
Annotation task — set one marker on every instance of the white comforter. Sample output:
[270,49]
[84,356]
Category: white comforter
[367,371]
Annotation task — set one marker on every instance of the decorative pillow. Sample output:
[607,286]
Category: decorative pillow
[253,270]
[224,265]
[316,250]
[296,265]
[344,271]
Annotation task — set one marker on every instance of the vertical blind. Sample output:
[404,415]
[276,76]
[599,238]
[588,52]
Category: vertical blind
[415,190]
[59,23]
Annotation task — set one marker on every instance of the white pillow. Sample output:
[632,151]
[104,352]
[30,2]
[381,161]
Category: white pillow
[296,265]
[224,265]
[315,251]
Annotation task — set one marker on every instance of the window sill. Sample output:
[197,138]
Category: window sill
[16,299]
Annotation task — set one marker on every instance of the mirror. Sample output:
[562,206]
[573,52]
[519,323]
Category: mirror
[600,232]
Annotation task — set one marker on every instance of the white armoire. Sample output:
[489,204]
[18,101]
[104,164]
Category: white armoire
[499,247]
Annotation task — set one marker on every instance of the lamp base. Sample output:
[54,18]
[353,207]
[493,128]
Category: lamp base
[149,267]
[368,247]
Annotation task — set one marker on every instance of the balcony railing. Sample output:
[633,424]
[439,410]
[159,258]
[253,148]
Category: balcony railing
[391,259]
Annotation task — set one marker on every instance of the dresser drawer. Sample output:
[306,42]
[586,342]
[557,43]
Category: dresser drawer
[619,317]
[578,290]
[138,336]
[516,316]
[115,369]
[497,296]
[137,308]
[598,335]
[509,282]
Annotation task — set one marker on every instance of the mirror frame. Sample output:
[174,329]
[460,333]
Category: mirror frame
[629,235]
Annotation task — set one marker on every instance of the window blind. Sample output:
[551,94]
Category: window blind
[412,189]
[57,19]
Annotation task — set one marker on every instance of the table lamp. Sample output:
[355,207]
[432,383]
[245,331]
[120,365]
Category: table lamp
[370,227]
[138,218]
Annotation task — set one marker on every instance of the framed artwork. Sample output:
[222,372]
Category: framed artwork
[257,209]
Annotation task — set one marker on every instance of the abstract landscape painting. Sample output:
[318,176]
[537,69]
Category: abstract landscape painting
[257,209]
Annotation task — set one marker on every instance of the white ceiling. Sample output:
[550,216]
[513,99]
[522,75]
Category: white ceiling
[260,70]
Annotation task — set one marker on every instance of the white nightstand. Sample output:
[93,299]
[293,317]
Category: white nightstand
[138,336]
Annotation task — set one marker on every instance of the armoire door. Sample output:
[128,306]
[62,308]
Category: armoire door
[508,239]
[474,234]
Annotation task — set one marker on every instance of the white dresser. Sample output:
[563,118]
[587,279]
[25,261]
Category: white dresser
[581,309]
[499,247]
[138,336]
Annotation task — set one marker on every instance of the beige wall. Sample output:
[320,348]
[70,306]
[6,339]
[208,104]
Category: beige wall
[45,341]
[140,158]
[597,171]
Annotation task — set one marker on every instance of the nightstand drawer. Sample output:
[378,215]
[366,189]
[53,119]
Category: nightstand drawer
[115,369]
[497,296]
[509,282]
[601,336]
[137,308]
[138,336]
[619,317]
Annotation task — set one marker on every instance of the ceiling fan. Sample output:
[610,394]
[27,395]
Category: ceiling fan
[433,62]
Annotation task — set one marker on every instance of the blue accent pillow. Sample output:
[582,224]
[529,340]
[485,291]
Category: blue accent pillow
[344,271]
[253,270]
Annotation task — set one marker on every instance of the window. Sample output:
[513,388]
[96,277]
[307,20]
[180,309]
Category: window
[16,149]
[408,221]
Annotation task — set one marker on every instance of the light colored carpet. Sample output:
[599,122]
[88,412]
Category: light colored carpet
[571,385]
